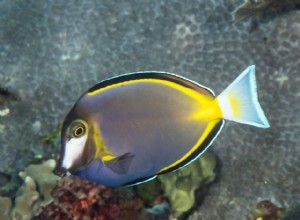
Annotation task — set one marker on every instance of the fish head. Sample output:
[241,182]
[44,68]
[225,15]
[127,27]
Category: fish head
[76,149]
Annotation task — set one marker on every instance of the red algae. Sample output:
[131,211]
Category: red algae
[75,198]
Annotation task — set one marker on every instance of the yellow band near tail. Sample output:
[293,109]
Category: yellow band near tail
[209,112]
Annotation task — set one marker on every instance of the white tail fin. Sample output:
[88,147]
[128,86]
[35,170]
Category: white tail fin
[238,102]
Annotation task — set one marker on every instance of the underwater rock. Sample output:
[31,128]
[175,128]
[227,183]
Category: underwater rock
[5,207]
[4,112]
[149,191]
[261,8]
[4,179]
[195,39]
[75,198]
[160,210]
[195,216]
[266,210]
[157,204]
[180,186]
[10,185]
[6,94]
[292,213]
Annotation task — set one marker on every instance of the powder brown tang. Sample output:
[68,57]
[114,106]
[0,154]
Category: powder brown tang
[130,128]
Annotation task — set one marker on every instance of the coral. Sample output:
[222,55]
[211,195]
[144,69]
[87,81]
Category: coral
[153,196]
[26,200]
[131,209]
[149,191]
[35,191]
[180,185]
[45,179]
[75,198]
[266,210]
[43,196]
[5,207]
[193,38]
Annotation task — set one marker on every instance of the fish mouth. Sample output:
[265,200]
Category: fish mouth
[61,171]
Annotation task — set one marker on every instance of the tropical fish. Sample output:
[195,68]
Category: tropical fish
[130,128]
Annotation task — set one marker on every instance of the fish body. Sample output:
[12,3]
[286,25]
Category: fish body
[131,128]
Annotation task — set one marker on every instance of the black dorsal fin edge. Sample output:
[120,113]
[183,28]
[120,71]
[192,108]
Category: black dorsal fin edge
[150,75]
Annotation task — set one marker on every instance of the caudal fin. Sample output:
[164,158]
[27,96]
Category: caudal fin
[238,102]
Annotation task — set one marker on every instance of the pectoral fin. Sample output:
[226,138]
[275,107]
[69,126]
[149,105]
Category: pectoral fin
[120,164]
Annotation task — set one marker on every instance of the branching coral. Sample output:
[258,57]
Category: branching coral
[45,179]
[26,202]
[35,191]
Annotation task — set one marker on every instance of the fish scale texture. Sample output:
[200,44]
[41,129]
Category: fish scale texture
[52,51]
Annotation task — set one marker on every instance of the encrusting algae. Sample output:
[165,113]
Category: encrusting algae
[75,198]
[180,186]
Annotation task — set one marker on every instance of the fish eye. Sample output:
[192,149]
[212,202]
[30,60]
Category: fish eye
[78,129]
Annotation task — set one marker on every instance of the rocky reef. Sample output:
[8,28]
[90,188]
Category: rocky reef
[180,186]
[264,8]
[44,195]
[52,51]
[34,193]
